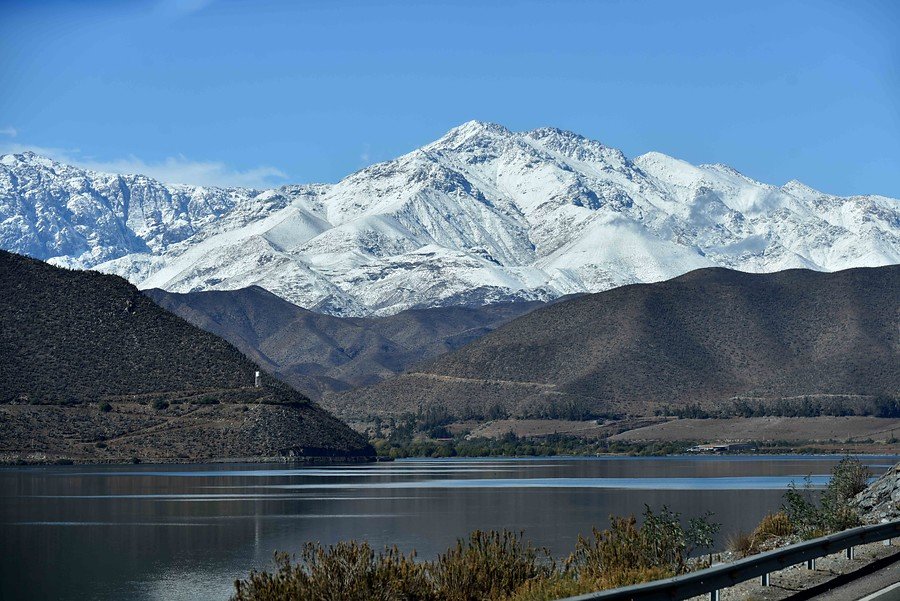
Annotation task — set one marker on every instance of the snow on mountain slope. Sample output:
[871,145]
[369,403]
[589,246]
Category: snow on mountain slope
[481,215]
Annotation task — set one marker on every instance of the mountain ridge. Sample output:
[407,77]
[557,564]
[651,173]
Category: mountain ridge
[481,215]
[708,338]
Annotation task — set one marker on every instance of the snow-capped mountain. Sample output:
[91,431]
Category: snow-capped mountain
[481,215]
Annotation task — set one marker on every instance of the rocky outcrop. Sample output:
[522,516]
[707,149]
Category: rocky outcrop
[881,500]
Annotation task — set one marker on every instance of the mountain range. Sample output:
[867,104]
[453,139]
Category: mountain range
[317,353]
[709,338]
[482,215]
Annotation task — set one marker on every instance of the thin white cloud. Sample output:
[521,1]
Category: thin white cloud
[172,170]
[365,157]
[12,132]
[181,170]
[177,8]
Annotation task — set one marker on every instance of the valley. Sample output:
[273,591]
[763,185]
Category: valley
[320,354]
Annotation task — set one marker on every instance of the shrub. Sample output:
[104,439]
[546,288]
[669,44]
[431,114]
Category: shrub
[347,570]
[774,524]
[488,565]
[805,515]
[834,511]
[105,407]
[740,543]
[439,432]
[160,404]
[849,478]
[627,554]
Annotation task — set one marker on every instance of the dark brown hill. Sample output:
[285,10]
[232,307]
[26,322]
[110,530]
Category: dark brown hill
[92,369]
[318,353]
[707,337]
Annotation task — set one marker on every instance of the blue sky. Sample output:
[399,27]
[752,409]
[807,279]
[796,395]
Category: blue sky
[268,92]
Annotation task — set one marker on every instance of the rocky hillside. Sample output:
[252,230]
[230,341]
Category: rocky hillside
[881,500]
[93,369]
[481,215]
[318,353]
[707,337]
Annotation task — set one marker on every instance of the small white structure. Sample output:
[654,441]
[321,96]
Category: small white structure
[722,447]
[258,381]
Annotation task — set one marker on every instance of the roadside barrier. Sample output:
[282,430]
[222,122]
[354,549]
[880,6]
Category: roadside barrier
[713,579]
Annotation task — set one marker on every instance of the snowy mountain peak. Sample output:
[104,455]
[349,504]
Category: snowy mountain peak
[470,130]
[798,187]
[482,214]
[28,157]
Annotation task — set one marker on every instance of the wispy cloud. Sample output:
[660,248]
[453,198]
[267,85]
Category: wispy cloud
[173,170]
[180,8]
[12,132]
[365,157]
[182,170]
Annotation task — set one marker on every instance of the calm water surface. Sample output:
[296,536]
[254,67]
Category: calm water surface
[186,532]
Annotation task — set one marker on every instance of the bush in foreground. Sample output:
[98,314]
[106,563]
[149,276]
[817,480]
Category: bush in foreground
[806,513]
[768,534]
[489,565]
[486,566]
[627,554]
[348,571]
[834,510]
[740,543]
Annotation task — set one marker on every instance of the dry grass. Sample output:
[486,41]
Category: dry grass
[740,543]
[774,524]
[557,586]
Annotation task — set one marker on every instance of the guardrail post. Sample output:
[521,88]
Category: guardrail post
[764,580]
[850,553]
[811,564]
[714,595]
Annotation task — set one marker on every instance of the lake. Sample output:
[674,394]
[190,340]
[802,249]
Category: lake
[186,532]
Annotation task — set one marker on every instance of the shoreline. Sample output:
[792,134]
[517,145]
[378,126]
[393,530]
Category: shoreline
[308,461]
[313,461]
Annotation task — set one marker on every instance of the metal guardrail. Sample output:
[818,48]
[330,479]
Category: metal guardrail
[711,580]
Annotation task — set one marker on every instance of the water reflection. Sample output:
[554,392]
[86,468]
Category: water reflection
[154,532]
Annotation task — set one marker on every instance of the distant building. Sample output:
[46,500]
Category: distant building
[722,447]
[258,381]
